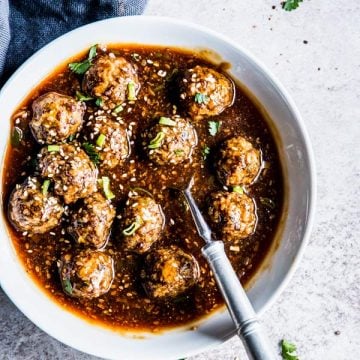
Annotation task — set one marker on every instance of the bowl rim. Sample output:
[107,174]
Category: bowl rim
[165,20]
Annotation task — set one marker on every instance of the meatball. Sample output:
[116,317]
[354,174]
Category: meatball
[71,170]
[142,223]
[56,117]
[238,162]
[113,79]
[170,141]
[112,141]
[89,274]
[91,223]
[169,272]
[32,209]
[205,92]
[233,215]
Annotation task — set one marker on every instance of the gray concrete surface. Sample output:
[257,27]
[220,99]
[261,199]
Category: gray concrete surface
[323,76]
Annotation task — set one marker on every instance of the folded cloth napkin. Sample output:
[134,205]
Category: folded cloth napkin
[26,26]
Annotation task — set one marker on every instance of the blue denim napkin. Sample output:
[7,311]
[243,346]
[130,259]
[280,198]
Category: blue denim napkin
[27,25]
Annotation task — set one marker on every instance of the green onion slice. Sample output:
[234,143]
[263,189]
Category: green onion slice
[167,121]
[45,187]
[238,189]
[100,140]
[106,188]
[53,148]
[137,189]
[178,152]
[118,109]
[81,97]
[156,141]
[131,91]
[130,230]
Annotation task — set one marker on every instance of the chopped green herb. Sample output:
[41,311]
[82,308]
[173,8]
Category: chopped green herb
[92,52]
[205,152]
[201,98]
[67,286]
[288,351]
[16,136]
[171,76]
[159,87]
[71,137]
[131,91]
[156,141]
[143,190]
[92,153]
[267,202]
[290,5]
[167,121]
[45,187]
[178,152]
[99,102]
[118,109]
[130,230]
[180,299]
[100,140]
[214,127]
[53,148]
[185,205]
[106,188]
[238,189]
[81,67]
[136,56]
[81,97]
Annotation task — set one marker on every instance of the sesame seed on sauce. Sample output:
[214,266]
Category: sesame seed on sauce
[135,177]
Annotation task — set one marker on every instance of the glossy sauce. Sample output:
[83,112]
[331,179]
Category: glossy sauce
[126,305]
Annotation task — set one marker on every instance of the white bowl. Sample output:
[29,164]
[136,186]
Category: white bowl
[296,156]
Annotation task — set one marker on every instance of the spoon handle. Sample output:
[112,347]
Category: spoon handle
[238,304]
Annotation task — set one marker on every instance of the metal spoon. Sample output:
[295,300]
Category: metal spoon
[243,315]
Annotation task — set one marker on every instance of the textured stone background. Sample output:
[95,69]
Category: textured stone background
[323,76]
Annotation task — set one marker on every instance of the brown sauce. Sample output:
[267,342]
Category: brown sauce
[126,305]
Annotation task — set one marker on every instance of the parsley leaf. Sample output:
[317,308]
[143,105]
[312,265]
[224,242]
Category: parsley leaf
[201,98]
[92,153]
[81,67]
[99,102]
[205,152]
[92,52]
[290,5]
[214,127]
[288,350]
